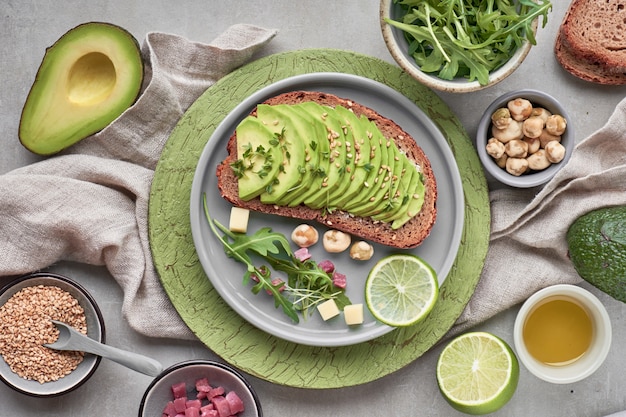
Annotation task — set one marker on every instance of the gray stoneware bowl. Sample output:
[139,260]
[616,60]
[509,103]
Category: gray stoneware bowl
[95,330]
[398,48]
[534,178]
[159,392]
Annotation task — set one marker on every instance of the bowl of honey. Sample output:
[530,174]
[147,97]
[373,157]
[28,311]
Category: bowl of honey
[562,334]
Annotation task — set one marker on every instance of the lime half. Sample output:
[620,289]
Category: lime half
[401,290]
[477,373]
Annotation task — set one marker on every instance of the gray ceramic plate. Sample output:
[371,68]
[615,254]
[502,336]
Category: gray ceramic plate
[439,249]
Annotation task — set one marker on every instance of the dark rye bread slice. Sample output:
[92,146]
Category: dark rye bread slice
[591,42]
[410,235]
[583,69]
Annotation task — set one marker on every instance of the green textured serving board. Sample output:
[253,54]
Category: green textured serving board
[224,331]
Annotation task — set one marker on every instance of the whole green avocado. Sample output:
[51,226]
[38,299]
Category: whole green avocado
[597,248]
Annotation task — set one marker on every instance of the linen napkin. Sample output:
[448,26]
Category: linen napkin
[528,247]
[90,204]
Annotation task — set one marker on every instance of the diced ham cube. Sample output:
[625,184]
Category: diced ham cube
[193,403]
[179,390]
[222,406]
[209,413]
[202,385]
[215,392]
[180,404]
[235,403]
[169,410]
[192,412]
[326,266]
[339,280]
[302,254]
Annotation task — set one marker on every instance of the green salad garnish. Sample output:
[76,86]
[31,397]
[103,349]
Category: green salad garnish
[467,38]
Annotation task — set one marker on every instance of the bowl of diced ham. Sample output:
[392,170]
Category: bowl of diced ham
[200,388]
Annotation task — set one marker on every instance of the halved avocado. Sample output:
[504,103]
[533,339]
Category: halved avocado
[90,76]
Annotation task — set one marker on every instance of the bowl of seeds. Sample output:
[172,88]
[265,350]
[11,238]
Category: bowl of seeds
[27,306]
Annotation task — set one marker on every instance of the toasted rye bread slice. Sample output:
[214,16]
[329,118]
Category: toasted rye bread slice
[583,69]
[591,43]
[409,235]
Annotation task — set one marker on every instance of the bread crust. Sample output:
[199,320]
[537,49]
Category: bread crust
[591,42]
[410,235]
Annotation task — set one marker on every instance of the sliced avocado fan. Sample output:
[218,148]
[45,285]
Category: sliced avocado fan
[90,76]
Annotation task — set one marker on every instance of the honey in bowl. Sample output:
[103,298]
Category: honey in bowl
[558,331]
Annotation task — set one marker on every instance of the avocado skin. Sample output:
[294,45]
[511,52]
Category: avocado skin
[49,121]
[597,248]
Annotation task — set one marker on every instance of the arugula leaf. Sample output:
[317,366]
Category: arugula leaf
[307,284]
[467,38]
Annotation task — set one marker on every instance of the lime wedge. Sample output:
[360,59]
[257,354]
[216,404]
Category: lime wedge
[477,373]
[401,290]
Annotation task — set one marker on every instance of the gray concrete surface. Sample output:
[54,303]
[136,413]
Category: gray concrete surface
[27,27]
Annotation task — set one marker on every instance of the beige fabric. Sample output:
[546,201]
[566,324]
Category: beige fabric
[90,204]
[528,248]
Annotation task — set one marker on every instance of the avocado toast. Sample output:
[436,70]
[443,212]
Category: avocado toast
[315,156]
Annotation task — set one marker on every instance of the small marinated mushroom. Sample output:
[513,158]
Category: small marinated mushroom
[304,235]
[520,108]
[546,137]
[533,144]
[501,162]
[532,127]
[361,251]
[555,152]
[516,148]
[512,131]
[495,148]
[501,118]
[336,241]
[538,161]
[516,166]
[541,113]
[556,124]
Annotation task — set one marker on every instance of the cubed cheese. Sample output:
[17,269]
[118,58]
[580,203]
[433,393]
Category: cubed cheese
[353,314]
[328,309]
[239,220]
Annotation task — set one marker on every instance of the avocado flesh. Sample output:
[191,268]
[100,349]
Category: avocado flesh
[278,120]
[398,203]
[416,196]
[361,160]
[387,182]
[312,132]
[366,170]
[597,248]
[90,76]
[260,157]
[336,138]
[372,185]
[347,155]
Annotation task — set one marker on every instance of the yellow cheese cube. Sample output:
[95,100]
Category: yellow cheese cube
[353,314]
[328,309]
[239,220]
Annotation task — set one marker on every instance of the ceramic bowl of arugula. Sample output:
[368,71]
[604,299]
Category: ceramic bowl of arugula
[446,46]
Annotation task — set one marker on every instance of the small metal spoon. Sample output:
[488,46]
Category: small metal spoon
[71,339]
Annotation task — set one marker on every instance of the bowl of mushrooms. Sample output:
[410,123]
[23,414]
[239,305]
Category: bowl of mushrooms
[523,138]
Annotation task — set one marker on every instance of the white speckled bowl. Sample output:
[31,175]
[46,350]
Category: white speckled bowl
[483,134]
[398,47]
[218,374]
[95,330]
